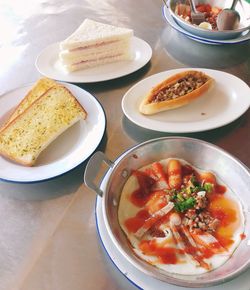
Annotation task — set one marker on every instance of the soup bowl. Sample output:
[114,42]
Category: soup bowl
[243,28]
[201,155]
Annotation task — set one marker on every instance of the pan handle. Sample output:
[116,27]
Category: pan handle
[92,170]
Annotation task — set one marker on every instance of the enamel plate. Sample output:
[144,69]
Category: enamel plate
[48,64]
[70,149]
[223,103]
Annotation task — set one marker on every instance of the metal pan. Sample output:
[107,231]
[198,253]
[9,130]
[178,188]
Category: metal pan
[200,154]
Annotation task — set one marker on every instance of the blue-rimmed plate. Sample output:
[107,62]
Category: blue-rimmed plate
[243,38]
[69,150]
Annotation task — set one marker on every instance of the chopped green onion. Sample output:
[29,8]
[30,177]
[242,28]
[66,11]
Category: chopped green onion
[208,187]
[180,197]
[182,206]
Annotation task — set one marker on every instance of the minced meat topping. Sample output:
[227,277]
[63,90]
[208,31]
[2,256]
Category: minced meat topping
[180,88]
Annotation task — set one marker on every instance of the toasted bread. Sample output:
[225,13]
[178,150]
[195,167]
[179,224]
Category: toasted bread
[26,136]
[40,87]
[176,91]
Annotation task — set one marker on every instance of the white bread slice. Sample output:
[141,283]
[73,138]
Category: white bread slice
[196,83]
[42,122]
[98,52]
[92,32]
[93,63]
[40,87]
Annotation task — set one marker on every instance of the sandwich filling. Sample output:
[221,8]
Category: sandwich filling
[94,44]
[179,88]
[179,218]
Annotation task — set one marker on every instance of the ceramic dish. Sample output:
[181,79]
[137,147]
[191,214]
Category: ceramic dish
[48,64]
[224,103]
[213,34]
[200,154]
[69,150]
[243,38]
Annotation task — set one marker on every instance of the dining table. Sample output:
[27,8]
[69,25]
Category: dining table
[49,238]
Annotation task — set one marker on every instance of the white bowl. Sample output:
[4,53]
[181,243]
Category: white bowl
[242,7]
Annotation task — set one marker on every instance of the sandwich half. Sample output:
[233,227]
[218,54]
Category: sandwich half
[94,44]
[26,136]
[176,91]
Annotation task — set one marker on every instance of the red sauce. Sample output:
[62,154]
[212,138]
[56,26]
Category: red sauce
[166,255]
[140,196]
[133,224]
[220,189]
[206,253]
[242,236]
[151,173]
[157,201]
[224,241]
[187,170]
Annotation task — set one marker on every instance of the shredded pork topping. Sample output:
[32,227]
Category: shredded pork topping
[180,88]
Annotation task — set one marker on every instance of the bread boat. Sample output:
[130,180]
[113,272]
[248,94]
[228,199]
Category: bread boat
[176,91]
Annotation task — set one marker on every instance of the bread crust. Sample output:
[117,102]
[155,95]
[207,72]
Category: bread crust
[148,108]
[30,158]
[40,87]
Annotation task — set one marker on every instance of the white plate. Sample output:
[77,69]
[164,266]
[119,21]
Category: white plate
[222,104]
[244,37]
[141,280]
[69,150]
[48,64]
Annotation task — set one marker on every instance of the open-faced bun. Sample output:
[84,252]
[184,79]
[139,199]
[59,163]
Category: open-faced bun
[176,91]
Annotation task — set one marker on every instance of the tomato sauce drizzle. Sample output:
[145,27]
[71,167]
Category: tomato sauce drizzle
[220,207]
[141,195]
[221,189]
[166,255]
[242,236]
[187,170]
[135,223]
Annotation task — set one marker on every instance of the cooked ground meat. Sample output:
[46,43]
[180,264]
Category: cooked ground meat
[202,220]
[184,86]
